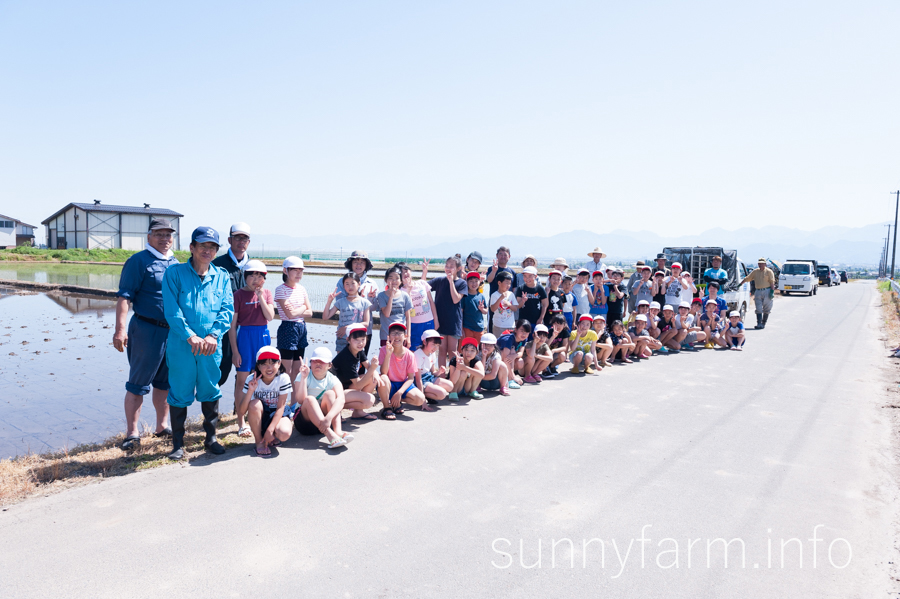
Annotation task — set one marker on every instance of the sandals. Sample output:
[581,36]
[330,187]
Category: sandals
[263,451]
[387,414]
[366,417]
[339,442]
[131,443]
[348,437]
[245,432]
[166,432]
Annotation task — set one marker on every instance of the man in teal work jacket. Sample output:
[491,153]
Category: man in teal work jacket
[198,305]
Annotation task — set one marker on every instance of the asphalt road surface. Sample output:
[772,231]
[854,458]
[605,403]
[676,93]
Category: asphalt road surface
[786,440]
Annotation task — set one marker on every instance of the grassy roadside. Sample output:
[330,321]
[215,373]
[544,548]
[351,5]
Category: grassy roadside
[890,313]
[32,474]
[28,254]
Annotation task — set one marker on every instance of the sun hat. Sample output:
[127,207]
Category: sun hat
[527,256]
[677,265]
[431,334]
[685,305]
[586,317]
[352,328]
[255,266]
[395,325]
[322,354]
[161,223]
[268,352]
[242,228]
[541,328]
[529,270]
[734,313]
[644,303]
[661,256]
[489,338]
[639,263]
[468,341]
[476,254]
[641,317]
[204,235]
[599,317]
[348,263]
[560,262]
[668,307]
[761,261]
[473,274]
[654,305]
[292,262]
[597,250]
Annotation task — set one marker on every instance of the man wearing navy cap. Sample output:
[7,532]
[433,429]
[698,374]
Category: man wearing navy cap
[144,339]
[198,306]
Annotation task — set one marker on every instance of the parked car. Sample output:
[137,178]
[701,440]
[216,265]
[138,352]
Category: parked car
[824,272]
[835,277]
[844,278]
[798,276]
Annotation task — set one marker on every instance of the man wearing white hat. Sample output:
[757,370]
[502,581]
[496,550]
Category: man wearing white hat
[233,261]
[596,263]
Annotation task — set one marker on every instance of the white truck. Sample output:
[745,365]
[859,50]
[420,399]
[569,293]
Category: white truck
[799,276]
[696,260]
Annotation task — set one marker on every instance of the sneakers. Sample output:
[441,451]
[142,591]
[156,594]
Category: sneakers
[504,391]
[514,385]
[531,379]
[588,370]
[548,374]
[538,378]
[575,370]
[476,395]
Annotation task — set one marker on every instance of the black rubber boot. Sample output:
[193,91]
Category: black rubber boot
[210,420]
[759,320]
[178,417]
[765,320]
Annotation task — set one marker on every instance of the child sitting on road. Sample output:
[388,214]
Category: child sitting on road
[359,378]
[429,380]
[734,334]
[622,343]
[254,308]
[321,399]
[466,369]
[265,394]
[353,308]
[688,334]
[712,324]
[496,374]
[474,308]
[503,305]
[559,345]
[604,346]
[668,330]
[644,344]
[537,355]
[583,345]
[399,364]
[512,346]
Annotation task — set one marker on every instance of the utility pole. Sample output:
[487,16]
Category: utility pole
[894,249]
[882,269]
[887,245]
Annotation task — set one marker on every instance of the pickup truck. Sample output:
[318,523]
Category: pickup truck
[696,260]
[799,276]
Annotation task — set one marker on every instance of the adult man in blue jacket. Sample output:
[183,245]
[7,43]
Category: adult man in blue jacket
[198,306]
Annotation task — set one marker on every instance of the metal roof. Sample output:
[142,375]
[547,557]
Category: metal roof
[112,208]
[3,216]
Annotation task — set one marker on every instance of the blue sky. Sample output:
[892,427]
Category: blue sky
[351,117]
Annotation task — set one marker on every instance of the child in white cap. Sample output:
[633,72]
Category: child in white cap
[321,398]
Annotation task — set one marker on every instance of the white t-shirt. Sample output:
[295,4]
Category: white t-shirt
[581,294]
[688,321]
[505,317]
[425,363]
[419,293]
[268,394]
[316,387]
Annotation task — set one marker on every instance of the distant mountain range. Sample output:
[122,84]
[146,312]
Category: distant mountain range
[860,246]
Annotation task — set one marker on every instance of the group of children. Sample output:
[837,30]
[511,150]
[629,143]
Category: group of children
[448,336]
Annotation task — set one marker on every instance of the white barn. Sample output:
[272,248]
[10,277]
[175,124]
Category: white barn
[105,226]
[14,233]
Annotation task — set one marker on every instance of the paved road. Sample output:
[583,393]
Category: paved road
[760,445]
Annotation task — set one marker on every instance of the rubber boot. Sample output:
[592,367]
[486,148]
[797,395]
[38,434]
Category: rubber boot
[178,417]
[759,324]
[765,319]
[210,420]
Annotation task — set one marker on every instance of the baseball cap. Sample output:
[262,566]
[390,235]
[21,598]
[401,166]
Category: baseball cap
[352,328]
[268,352]
[431,334]
[734,313]
[660,273]
[468,341]
[239,229]
[654,305]
[596,272]
[668,307]
[161,223]
[476,255]
[583,271]
[587,317]
[255,266]
[204,235]
[473,274]
[530,270]
[396,325]
[713,302]
[292,262]
[696,300]
[644,303]
[685,305]
[644,267]
[599,317]
[489,338]
[541,328]
[322,354]
[676,265]
[641,317]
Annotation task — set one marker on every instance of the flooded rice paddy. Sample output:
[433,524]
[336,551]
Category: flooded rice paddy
[61,381]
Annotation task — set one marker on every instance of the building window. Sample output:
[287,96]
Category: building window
[7,224]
